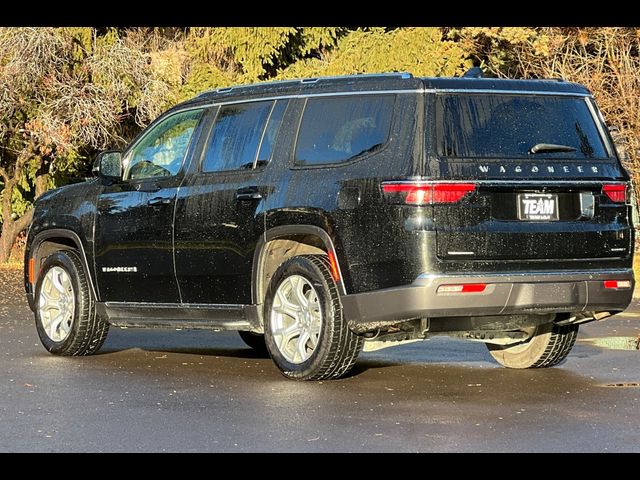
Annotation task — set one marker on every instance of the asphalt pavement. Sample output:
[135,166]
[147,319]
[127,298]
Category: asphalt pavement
[198,391]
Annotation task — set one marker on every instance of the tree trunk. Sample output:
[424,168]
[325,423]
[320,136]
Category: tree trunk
[10,231]
[5,243]
[12,228]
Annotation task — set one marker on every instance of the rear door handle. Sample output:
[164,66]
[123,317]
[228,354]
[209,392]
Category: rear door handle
[157,201]
[248,194]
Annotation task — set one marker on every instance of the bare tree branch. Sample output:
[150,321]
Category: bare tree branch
[23,222]
[64,93]
[4,175]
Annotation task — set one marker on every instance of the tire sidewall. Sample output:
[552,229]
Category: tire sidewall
[549,346]
[523,358]
[61,259]
[304,268]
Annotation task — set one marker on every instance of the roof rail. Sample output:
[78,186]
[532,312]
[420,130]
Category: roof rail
[228,89]
[474,72]
[403,75]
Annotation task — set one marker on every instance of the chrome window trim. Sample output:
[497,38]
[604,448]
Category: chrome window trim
[513,92]
[214,103]
[376,92]
[308,95]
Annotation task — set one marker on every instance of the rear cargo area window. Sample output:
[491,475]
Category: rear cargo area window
[339,129]
[510,126]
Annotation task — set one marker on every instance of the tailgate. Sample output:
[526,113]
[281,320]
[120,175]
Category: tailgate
[535,221]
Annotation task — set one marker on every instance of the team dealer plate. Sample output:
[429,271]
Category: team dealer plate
[538,206]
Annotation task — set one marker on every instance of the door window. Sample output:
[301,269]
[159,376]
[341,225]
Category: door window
[162,150]
[236,136]
[271,132]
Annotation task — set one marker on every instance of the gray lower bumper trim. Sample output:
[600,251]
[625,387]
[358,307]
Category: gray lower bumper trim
[518,293]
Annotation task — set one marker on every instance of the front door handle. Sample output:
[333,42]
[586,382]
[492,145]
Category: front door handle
[158,201]
[248,194]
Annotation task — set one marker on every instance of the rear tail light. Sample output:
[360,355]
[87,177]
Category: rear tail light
[462,288]
[617,192]
[617,284]
[420,193]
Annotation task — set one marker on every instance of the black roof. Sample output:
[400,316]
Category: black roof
[382,82]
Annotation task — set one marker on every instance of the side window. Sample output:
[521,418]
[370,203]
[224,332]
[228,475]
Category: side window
[236,136]
[338,129]
[161,151]
[271,132]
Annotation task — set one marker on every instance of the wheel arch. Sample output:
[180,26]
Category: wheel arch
[52,240]
[283,242]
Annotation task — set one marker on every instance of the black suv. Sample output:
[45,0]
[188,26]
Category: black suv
[315,216]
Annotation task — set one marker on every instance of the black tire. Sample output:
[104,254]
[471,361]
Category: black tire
[337,347]
[549,346]
[88,332]
[255,341]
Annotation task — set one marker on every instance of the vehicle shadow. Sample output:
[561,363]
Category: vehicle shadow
[211,345]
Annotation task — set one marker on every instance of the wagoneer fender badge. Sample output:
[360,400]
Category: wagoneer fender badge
[120,269]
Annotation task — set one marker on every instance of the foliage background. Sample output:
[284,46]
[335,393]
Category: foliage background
[66,93]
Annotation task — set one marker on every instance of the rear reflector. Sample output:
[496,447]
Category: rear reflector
[418,193]
[335,271]
[462,288]
[616,192]
[617,284]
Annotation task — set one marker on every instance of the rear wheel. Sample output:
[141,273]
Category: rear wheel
[66,319]
[305,331]
[549,345]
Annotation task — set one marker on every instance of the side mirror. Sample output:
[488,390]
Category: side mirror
[108,165]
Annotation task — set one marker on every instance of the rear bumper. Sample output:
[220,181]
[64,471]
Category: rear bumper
[505,294]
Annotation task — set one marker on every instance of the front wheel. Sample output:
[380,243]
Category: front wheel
[66,318]
[305,331]
[549,345]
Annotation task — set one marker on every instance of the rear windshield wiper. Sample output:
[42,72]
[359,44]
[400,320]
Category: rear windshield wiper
[372,148]
[550,147]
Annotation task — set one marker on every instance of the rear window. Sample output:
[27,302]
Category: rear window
[509,126]
[339,129]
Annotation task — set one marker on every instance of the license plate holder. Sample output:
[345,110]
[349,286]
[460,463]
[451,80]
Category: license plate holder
[538,207]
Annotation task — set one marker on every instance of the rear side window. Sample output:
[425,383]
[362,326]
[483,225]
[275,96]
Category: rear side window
[339,129]
[236,135]
[509,126]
